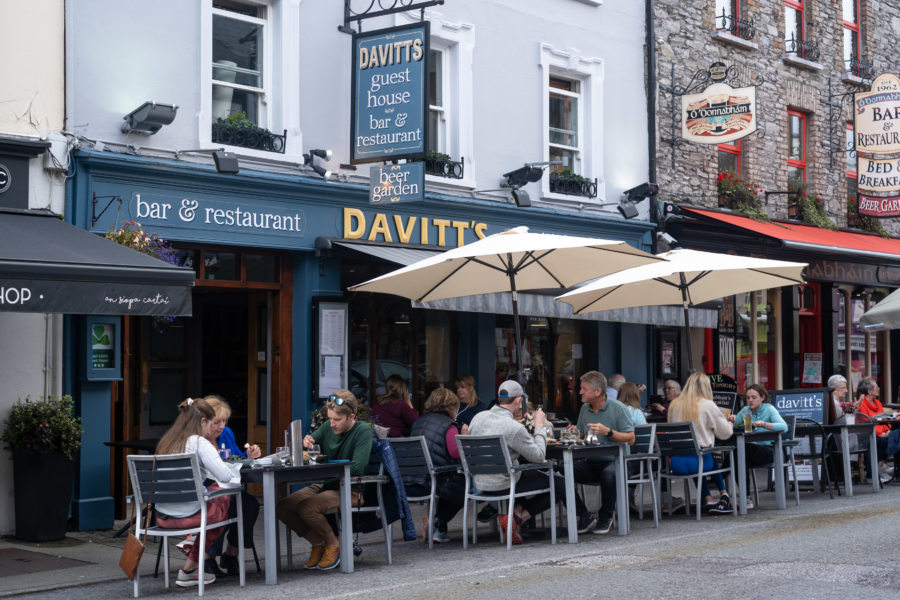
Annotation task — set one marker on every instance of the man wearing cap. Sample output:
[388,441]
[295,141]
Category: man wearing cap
[500,420]
[341,438]
[608,419]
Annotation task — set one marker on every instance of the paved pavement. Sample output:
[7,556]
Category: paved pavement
[841,548]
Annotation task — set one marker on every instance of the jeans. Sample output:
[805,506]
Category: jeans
[687,465]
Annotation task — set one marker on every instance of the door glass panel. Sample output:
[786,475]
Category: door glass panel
[167,389]
[221,265]
[262,267]
[262,398]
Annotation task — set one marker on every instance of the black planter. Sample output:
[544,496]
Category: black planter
[43,491]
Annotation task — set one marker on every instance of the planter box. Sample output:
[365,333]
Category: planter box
[42,486]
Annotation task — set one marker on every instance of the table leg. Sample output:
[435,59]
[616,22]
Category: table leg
[815,467]
[622,492]
[346,523]
[873,461]
[845,456]
[780,491]
[270,524]
[571,516]
[742,474]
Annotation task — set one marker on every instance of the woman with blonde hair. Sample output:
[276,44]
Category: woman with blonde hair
[695,404]
[394,408]
[188,434]
[469,404]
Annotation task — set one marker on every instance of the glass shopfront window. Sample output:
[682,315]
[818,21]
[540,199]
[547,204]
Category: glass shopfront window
[762,303]
[857,360]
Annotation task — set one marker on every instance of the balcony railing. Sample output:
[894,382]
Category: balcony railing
[802,48]
[444,166]
[742,28]
[861,68]
[573,186]
[255,138]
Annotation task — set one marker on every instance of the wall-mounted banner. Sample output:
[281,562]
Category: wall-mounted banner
[389,93]
[397,183]
[877,116]
[720,113]
[879,207]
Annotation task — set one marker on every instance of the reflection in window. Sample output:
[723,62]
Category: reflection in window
[237,52]
[221,265]
[437,118]
[564,126]
[764,337]
[857,361]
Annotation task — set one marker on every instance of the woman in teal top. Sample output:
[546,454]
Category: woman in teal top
[764,416]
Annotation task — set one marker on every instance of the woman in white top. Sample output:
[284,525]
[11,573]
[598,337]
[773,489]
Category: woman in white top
[695,404]
[188,435]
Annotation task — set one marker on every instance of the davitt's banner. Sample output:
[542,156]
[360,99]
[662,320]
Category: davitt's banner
[720,113]
[876,130]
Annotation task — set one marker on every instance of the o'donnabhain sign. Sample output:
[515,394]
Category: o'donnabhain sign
[876,129]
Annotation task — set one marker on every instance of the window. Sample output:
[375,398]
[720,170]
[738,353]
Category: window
[437,115]
[850,9]
[797,150]
[794,30]
[238,46]
[852,187]
[850,153]
[725,11]
[564,139]
[730,157]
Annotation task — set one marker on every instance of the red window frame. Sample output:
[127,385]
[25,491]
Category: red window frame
[733,148]
[855,28]
[798,5]
[850,174]
[804,131]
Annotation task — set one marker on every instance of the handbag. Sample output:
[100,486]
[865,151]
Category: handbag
[134,548]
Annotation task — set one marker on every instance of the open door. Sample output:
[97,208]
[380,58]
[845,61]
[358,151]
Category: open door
[259,354]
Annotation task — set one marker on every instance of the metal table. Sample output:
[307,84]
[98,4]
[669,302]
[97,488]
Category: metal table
[271,475]
[741,437]
[568,453]
[845,429]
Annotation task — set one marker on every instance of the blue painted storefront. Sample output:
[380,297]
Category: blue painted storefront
[186,202]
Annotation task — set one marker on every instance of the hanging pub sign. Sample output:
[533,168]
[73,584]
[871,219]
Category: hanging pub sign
[389,94]
[391,184]
[876,127]
[720,113]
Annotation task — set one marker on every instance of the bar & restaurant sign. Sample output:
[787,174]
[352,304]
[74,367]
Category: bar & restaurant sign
[876,129]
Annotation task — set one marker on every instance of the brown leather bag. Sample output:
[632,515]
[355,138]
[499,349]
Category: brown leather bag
[134,548]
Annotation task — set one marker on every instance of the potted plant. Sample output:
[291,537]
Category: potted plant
[43,437]
[740,196]
[812,211]
[567,181]
[870,224]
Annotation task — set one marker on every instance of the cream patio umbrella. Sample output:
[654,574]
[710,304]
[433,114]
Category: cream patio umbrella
[884,315]
[686,277]
[508,262]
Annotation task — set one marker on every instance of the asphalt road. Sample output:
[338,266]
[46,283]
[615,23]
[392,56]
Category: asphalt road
[842,548]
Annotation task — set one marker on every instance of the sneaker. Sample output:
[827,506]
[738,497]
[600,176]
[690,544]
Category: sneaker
[723,507]
[441,537]
[676,504]
[315,556]
[331,557]
[210,566]
[604,524]
[503,521]
[440,531]
[230,564]
[586,522]
[749,504]
[191,578]
[486,514]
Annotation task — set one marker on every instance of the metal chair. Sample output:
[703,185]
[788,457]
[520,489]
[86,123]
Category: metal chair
[814,454]
[859,449]
[788,443]
[176,478]
[643,452]
[488,455]
[679,439]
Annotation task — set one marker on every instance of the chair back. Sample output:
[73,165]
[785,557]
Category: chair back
[375,467]
[677,439]
[791,422]
[170,478]
[644,439]
[412,456]
[483,454]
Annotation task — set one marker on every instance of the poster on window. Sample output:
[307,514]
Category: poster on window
[812,367]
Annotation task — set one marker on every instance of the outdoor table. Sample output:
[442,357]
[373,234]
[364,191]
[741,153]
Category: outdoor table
[742,437]
[569,452]
[845,429]
[271,475]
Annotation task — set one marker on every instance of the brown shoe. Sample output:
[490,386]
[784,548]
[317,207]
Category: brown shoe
[314,557]
[330,558]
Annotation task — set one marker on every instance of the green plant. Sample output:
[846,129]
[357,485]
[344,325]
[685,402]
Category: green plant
[812,211]
[132,235]
[866,223]
[741,196]
[569,175]
[47,424]
[437,156]
[239,119]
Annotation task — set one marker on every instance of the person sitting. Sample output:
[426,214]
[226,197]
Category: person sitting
[630,396]
[394,408]
[695,404]
[469,403]
[838,385]
[221,436]
[671,389]
[867,393]
[341,438]
[189,434]
[763,416]
[607,419]
[500,420]
[438,428]
[613,385]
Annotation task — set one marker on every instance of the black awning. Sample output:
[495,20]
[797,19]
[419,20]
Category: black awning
[50,266]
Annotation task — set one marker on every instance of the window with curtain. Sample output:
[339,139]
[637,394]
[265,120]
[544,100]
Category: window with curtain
[796,150]
[565,138]
[852,42]
[238,42]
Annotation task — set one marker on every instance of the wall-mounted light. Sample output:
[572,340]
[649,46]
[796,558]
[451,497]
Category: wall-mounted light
[225,162]
[309,159]
[627,207]
[148,118]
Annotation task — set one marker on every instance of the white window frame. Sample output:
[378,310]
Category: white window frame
[444,108]
[576,150]
[456,40]
[589,72]
[280,100]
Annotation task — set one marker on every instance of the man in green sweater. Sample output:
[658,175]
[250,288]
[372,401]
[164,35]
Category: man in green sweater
[342,438]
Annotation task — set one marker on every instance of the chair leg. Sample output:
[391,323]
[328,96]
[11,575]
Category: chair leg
[158,556]
[255,556]
[653,497]
[165,544]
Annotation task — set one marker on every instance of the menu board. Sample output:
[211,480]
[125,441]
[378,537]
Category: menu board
[807,403]
[725,394]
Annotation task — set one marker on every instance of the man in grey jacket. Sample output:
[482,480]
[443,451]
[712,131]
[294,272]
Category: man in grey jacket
[500,420]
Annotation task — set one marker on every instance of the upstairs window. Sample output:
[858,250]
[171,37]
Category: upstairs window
[794,25]
[238,43]
[730,157]
[565,101]
[437,110]
[853,62]
[796,150]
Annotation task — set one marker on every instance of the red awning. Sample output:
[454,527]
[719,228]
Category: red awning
[808,237]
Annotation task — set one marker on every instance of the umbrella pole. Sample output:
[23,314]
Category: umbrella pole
[687,323]
[515,306]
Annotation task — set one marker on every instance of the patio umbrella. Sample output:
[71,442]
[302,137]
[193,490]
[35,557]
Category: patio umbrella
[507,262]
[686,277]
[884,315]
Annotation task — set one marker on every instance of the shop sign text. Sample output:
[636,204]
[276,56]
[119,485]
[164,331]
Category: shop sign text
[406,229]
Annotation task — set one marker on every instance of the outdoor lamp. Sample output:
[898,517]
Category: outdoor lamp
[309,159]
[527,174]
[642,191]
[226,162]
[521,197]
[628,210]
[149,118]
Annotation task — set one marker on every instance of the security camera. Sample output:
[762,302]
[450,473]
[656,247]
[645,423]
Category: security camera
[642,191]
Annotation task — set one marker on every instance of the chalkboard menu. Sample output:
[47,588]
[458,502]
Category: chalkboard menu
[725,395]
[807,403]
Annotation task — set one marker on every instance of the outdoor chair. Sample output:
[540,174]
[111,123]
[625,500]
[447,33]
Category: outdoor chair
[176,478]
[814,453]
[859,450]
[488,455]
[644,455]
[679,439]
[788,443]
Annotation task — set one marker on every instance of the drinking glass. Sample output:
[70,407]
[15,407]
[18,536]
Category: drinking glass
[313,452]
[284,453]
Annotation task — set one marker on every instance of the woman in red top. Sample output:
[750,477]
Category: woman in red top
[867,393]
[394,409]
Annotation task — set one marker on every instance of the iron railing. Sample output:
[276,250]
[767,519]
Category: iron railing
[861,68]
[742,28]
[572,186]
[248,137]
[445,167]
[802,48]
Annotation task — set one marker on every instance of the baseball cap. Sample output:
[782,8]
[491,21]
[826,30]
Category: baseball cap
[511,388]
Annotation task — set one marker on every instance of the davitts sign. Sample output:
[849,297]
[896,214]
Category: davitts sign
[720,113]
[876,129]
[390,93]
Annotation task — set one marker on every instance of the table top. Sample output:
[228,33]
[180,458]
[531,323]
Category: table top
[148,445]
[555,450]
[807,428]
[305,472]
[761,435]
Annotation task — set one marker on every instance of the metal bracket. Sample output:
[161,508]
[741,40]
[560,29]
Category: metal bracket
[384,7]
[96,217]
[837,103]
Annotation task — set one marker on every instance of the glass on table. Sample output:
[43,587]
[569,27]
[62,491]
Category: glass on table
[284,453]
[314,452]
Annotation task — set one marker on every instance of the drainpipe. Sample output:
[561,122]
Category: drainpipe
[651,108]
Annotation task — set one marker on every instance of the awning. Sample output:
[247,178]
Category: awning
[807,237]
[50,266]
[531,304]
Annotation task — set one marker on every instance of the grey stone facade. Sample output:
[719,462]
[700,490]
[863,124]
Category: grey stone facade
[687,38]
